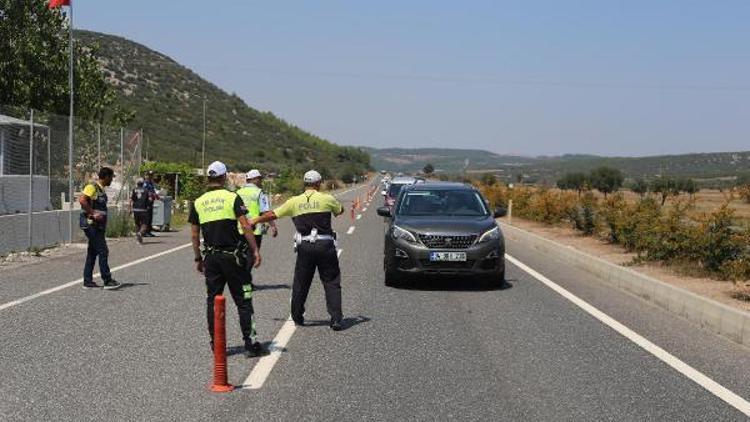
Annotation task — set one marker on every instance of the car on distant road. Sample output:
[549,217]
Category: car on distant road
[394,188]
[443,229]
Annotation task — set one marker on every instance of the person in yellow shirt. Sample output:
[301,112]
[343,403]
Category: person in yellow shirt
[93,222]
[316,246]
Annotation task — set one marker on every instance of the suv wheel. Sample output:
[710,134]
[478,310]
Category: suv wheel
[497,279]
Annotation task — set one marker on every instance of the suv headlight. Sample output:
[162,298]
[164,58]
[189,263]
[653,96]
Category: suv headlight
[490,235]
[399,233]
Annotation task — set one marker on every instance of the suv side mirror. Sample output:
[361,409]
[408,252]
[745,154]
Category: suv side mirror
[500,212]
[384,211]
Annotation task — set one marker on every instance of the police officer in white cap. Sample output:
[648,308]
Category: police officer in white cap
[316,246]
[256,202]
[222,259]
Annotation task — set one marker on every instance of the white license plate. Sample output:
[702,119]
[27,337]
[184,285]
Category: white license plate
[448,256]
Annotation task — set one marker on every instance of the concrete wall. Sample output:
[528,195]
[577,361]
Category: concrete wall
[48,229]
[14,194]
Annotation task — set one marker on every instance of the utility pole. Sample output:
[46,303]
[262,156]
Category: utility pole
[203,148]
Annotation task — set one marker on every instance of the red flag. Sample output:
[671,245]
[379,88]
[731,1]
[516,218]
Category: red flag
[54,4]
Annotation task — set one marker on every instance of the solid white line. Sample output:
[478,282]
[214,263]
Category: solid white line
[263,368]
[351,230]
[359,216]
[693,374]
[80,280]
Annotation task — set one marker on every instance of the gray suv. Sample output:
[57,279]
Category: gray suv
[443,229]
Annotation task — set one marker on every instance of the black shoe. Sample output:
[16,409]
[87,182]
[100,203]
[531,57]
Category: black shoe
[112,285]
[253,350]
[336,326]
[88,285]
[300,322]
[139,238]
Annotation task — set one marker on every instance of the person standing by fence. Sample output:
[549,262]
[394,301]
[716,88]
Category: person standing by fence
[150,187]
[93,222]
[139,200]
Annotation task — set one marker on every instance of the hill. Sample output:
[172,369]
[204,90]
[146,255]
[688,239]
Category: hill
[548,169]
[443,159]
[168,102]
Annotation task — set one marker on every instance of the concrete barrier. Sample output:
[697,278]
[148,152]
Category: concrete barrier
[49,228]
[726,321]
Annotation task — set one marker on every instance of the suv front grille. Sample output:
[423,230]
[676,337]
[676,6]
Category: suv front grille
[439,241]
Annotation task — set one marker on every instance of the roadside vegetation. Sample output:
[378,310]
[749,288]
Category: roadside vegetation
[657,220]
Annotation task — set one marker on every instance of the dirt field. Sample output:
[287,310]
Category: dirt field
[707,201]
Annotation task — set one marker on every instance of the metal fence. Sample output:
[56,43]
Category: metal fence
[36,178]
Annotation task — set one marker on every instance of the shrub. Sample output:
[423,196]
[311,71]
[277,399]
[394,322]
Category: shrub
[583,215]
[119,223]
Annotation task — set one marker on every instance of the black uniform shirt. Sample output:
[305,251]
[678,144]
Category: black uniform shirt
[220,233]
[140,199]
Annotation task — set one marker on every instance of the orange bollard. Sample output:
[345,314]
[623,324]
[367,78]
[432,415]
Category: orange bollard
[220,384]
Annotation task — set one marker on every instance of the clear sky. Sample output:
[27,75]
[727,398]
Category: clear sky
[530,77]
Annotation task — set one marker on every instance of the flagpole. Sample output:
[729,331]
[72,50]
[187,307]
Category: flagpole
[70,118]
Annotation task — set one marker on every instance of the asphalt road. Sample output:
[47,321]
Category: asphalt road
[438,350]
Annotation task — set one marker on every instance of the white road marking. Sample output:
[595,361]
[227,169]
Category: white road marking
[351,230]
[364,209]
[693,374]
[359,216]
[263,368]
[80,280]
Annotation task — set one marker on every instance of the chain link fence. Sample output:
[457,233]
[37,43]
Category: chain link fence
[37,178]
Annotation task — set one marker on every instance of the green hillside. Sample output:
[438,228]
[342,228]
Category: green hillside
[549,169]
[168,102]
[443,159]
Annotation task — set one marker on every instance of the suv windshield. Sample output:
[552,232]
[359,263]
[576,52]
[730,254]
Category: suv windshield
[442,203]
[394,190]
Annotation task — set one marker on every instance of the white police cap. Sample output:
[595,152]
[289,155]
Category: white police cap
[312,176]
[216,169]
[253,174]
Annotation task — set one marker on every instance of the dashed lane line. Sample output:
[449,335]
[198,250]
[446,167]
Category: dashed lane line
[80,280]
[683,368]
[351,230]
[262,370]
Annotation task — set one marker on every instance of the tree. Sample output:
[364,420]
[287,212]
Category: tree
[489,179]
[573,181]
[688,186]
[606,179]
[428,169]
[36,39]
[640,187]
[666,187]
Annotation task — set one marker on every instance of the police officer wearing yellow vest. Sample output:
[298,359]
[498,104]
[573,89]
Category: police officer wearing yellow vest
[222,259]
[316,246]
[257,203]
